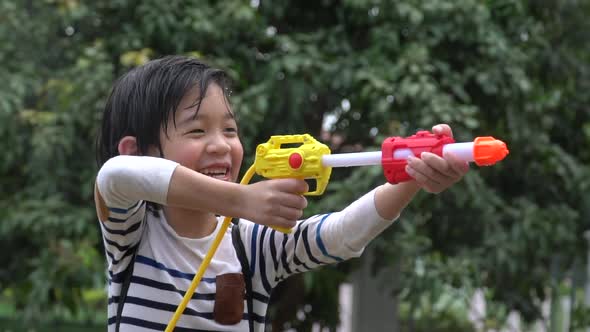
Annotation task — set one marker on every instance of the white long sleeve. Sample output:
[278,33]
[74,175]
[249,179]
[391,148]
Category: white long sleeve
[359,224]
[316,241]
[124,180]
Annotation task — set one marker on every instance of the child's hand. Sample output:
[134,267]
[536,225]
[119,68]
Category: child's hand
[277,202]
[433,173]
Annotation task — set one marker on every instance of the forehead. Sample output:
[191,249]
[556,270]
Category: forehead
[214,103]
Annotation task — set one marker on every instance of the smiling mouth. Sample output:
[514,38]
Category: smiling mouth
[221,173]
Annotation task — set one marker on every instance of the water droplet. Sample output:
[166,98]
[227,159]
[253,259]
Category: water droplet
[300,315]
[345,104]
[374,11]
[70,30]
[271,31]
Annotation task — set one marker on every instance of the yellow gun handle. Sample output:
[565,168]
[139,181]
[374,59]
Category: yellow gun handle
[283,230]
[294,156]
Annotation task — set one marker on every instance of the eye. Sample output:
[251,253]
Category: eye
[195,131]
[230,131]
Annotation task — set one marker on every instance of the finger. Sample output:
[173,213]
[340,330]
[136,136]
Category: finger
[289,213]
[460,167]
[284,223]
[438,163]
[442,129]
[422,179]
[294,201]
[293,185]
[421,167]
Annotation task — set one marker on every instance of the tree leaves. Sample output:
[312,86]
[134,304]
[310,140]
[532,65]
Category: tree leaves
[514,70]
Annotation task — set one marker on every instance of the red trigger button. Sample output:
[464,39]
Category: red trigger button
[295,160]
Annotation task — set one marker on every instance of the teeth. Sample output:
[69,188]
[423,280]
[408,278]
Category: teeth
[215,172]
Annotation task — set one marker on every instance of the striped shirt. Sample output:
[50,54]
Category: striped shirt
[165,262]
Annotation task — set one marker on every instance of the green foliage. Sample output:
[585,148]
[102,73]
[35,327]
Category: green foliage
[442,310]
[517,70]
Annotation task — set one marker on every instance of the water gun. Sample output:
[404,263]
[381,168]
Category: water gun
[303,157]
[312,159]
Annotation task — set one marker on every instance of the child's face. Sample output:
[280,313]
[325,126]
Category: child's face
[208,142]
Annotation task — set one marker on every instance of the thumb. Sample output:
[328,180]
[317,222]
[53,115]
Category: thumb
[442,129]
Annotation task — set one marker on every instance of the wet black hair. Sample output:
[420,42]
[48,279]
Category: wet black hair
[142,100]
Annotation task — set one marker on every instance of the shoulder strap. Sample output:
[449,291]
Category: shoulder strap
[125,287]
[241,252]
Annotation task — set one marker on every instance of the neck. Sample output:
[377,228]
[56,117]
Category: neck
[190,223]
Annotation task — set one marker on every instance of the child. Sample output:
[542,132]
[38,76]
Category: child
[170,154]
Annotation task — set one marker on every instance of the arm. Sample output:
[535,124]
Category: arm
[275,202]
[333,237]
[123,185]
[391,199]
[316,241]
[324,239]
[125,180]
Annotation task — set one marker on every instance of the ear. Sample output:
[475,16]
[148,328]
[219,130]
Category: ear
[128,146]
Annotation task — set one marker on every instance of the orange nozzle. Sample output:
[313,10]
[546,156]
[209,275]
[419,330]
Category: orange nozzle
[488,150]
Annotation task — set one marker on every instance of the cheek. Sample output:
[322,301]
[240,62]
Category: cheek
[237,158]
[185,154]
[239,153]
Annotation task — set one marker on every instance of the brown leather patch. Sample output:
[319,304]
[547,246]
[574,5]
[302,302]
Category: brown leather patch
[229,298]
[102,211]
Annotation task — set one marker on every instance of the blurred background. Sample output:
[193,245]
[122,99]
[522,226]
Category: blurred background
[504,250]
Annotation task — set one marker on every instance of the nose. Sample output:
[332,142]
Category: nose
[218,144]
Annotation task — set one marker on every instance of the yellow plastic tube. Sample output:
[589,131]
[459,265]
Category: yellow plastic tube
[206,261]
